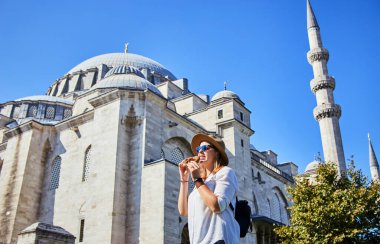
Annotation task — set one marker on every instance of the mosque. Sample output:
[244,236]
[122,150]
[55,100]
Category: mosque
[95,159]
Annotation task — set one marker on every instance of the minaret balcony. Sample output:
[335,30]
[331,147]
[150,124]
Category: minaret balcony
[327,111]
[317,54]
[322,82]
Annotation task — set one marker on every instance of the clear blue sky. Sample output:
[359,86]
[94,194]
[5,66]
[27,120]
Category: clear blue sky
[259,46]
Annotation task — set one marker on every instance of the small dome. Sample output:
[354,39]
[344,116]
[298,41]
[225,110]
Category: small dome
[312,167]
[225,94]
[129,81]
[124,69]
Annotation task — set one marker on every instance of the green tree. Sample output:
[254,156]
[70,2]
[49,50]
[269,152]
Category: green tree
[332,209]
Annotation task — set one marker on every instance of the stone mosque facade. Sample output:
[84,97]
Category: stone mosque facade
[95,159]
[98,155]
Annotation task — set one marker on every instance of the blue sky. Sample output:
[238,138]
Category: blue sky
[258,46]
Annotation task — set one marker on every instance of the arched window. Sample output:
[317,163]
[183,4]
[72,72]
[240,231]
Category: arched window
[32,111]
[55,173]
[176,155]
[276,208]
[86,163]
[50,112]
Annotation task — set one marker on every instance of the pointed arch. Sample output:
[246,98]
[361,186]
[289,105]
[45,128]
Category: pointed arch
[86,163]
[283,205]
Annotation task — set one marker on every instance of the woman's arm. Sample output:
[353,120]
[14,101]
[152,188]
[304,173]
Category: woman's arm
[183,190]
[225,189]
[208,197]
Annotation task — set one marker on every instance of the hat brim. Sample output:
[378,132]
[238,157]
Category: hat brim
[197,139]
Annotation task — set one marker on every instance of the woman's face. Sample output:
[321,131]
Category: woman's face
[208,155]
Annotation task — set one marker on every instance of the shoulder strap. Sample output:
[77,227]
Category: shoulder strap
[232,207]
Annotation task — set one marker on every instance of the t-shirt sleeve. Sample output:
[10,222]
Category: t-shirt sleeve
[226,187]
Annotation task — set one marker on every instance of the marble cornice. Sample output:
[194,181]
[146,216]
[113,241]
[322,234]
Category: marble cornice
[74,122]
[23,128]
[243,127]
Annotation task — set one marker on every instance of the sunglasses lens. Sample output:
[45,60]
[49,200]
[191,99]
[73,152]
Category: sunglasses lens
[203,148]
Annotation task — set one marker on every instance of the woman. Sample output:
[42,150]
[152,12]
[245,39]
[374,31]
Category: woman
[210,218]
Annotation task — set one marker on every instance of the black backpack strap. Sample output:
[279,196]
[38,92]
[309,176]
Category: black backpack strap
[232,207]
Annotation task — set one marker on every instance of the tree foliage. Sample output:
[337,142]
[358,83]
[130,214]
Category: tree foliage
[332,209]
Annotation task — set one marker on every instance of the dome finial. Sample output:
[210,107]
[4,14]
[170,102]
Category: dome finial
[126,47]
[225,85]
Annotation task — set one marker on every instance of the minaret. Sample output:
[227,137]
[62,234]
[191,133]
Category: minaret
[327,113]
[373,164]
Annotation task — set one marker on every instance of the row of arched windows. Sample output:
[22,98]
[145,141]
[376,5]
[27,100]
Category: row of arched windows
[56,169]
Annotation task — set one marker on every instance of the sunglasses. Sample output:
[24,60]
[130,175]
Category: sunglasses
[203,148]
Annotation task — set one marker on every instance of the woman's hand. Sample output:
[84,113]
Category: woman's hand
[183,171]
[194,169]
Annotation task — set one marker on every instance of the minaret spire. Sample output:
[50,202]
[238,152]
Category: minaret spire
[327,113]
[311,20]
[373,163]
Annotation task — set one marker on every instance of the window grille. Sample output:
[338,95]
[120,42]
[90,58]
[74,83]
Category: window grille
[50,112]
[67,113]
[81,230]
[55,173]
[32,111]
[176,155]
[86,164]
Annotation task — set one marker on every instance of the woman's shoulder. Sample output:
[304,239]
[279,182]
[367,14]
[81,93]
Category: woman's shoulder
[226,171]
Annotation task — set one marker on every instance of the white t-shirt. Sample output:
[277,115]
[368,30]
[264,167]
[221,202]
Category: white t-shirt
[206,227]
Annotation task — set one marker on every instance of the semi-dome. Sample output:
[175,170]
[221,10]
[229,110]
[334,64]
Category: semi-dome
[225,94]
[128,59]
[126,80]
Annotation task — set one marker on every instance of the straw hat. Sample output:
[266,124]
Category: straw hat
[214,141]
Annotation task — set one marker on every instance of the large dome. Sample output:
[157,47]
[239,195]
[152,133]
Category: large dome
[128,59]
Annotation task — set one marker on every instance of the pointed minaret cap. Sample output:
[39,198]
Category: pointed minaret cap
[372,155]
[311,20]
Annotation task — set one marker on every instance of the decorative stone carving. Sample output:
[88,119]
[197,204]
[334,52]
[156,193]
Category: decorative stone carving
[327,111]
[317,54]
[131,119]
[323,82]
